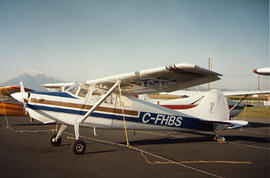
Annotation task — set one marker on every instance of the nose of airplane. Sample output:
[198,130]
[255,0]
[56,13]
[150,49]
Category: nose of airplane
[19,96]
[255,71]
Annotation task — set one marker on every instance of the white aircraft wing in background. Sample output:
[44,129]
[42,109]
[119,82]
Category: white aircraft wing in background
[58,86]
[244,93]
[190,99]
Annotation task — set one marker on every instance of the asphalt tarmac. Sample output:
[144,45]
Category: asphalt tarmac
[25,151]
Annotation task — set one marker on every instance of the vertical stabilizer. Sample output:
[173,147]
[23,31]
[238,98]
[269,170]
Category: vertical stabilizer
[213,107]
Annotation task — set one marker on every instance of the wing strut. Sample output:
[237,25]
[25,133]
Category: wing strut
[238,103]
[123,112]
[100,101]
[104,97]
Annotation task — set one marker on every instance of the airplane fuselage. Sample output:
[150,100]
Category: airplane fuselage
[65,107]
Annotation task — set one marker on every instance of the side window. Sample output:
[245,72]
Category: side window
[126,101]
[83,92]
[73,90]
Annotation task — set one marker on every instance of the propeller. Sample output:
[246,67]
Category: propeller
[24,99]
[22,87]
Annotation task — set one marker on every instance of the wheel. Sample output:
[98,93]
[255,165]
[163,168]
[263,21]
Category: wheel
[222,139]
[55,142]
[78,147]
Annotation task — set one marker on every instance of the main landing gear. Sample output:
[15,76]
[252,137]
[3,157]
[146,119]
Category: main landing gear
[219,138]
[78,147]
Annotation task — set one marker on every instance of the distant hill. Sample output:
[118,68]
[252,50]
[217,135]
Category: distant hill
[32,81]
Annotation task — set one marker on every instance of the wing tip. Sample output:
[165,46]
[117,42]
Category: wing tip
[187,66]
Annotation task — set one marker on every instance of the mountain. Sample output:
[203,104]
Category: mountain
[32,81]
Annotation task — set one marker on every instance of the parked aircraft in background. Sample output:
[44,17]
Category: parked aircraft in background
[8,105]
[262,71]
[58,86]
[110,103]
[188,99]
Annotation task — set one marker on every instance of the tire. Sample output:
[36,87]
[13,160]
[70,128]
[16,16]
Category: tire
[57,142]
[222,139]
[78,147]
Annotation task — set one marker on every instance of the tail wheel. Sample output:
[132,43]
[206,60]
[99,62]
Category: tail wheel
[221,140]
[55,142]
[78,147]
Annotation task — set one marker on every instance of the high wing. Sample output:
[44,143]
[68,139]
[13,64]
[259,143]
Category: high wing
[162,79]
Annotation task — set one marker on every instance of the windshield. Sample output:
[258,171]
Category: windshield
[72,89]
[95,93]
[79,89]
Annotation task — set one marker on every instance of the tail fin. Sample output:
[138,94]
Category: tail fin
[213,107]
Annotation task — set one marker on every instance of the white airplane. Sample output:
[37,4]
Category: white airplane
[182,99]
[262,71]
[110,103]
[188,99]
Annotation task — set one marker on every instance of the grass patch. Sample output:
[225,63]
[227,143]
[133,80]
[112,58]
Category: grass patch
[164,96]
[263,97]
[256,112]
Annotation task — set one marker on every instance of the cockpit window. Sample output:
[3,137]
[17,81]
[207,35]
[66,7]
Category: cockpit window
[79,89]
[73,88]
[83,92]
[95,93]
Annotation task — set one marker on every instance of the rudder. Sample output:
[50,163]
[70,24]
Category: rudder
[213,107]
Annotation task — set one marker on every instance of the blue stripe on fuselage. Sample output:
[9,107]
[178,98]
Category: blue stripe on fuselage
[144,117]
[60,94]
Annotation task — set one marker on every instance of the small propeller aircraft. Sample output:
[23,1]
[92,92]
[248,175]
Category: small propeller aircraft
[110,103]
[262,71]
[182,99]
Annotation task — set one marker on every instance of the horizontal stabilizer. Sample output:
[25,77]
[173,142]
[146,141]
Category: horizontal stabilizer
[237,123]
[227,124]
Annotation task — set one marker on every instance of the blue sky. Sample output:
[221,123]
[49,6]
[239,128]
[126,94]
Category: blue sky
[85,39]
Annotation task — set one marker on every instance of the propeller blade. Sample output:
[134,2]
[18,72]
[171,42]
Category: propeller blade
[22,87]
[24,99]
